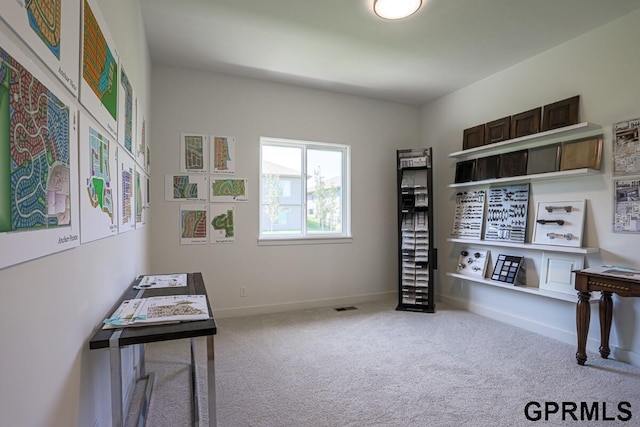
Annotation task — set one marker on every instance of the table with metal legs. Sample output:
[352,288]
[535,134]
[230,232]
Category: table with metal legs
[117,339]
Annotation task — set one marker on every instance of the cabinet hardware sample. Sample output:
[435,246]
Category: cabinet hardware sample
[551,221]
[567,236]
[553,208]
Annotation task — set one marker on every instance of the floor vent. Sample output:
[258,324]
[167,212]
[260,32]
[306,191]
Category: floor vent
[346,308]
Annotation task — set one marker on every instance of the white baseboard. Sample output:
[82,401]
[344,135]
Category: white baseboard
[299,305]
[566,336]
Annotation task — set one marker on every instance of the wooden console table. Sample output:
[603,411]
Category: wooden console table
[116,339]
[607,280]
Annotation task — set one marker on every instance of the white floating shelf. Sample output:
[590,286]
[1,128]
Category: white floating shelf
[531,246]
[573,132]
[526,289]
[527,178]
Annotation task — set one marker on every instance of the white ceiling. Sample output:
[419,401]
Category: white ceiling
[340,45]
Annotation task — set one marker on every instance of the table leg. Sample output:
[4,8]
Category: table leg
[606,314]
[117,414]
[583,316]
[211,382]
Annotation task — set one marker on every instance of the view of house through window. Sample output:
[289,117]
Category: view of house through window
[303,189]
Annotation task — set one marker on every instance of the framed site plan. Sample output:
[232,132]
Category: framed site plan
[222,223]
[228,190]
[194,153]
[126,191]
[223,155]
[98,181]
[99,84]
[51,30]
[182,188]
[194,224]
[39,185]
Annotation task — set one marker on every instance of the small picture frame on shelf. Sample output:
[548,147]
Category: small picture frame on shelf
[473,262]
[559,223]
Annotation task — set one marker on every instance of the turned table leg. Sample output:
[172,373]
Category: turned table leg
[583,316]
[606,313]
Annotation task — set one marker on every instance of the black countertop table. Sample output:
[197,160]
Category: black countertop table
[116,339]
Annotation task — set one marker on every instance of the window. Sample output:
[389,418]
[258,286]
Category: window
[304,190]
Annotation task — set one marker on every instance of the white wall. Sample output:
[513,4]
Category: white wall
[49,307]
[601,67]
[280,277]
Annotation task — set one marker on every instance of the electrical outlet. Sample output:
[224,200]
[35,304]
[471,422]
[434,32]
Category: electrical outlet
[243,291]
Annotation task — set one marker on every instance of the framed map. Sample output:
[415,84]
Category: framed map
[228,190]
[98,182]
[193,224]
[222,223]
[99,64]
[39,155]
[194,153]
[186,188]
[140,189]
[127,102]
[126,191]
[223,155]
[51,29]
[141,148]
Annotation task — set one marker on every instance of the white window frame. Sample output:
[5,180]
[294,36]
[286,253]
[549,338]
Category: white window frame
[310,238]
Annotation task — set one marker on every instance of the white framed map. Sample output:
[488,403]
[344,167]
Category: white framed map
[127,135]
[98,181]
[51,30]
[194,224]
[126,191]
[223,155]
[194,153]
[184,188]
[225,190]
[142,141]
[140,193]
[222,223]
[39,211]
[99,86]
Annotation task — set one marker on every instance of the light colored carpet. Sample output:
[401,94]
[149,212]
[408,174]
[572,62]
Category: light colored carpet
[377,367]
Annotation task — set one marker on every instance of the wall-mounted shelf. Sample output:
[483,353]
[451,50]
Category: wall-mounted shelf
[573,132]
[525,289]
[531,246]
[527,178]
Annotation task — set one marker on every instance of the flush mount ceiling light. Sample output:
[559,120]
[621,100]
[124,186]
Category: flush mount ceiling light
[396,9]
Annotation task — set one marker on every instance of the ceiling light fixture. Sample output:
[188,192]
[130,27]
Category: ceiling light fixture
[396,9]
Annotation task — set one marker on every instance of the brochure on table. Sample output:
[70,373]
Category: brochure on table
[158,310]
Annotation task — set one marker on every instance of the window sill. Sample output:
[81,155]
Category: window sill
[284,241]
